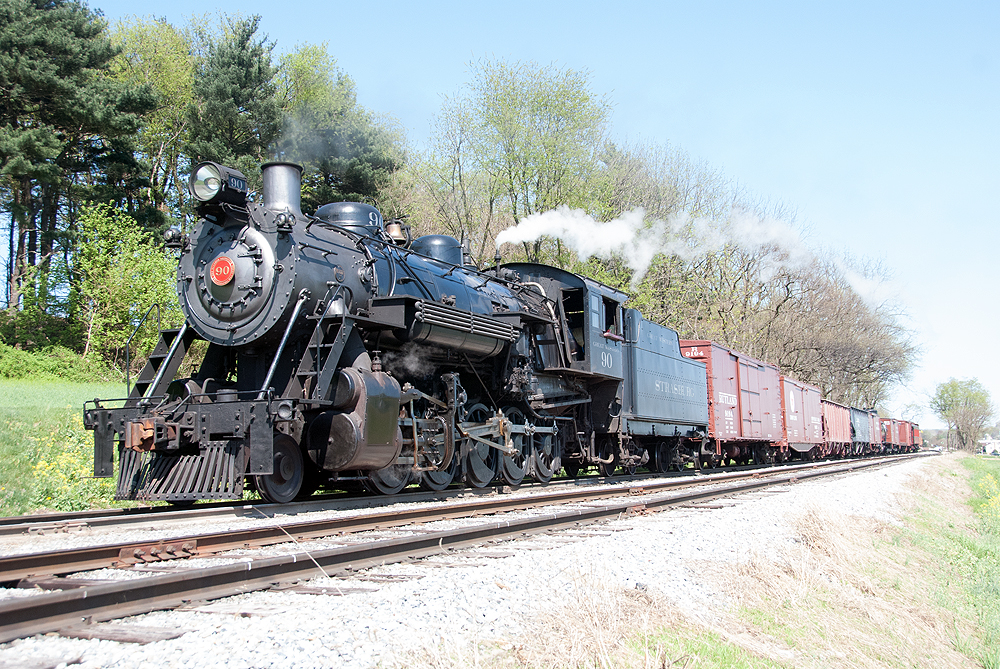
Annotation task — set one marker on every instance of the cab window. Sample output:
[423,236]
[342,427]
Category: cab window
[612,317]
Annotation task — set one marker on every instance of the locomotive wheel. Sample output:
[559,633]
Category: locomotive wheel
[311,479]
[572,469]
[606,452]
[480,464]
[289,472]
[543,459]
[388,480]
[438,479]
[514,467]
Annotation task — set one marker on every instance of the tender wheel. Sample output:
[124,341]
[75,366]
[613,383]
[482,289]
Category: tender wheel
[606,452]
[661,457]
[514,467]
[285,483]
[388,480]
[480,464]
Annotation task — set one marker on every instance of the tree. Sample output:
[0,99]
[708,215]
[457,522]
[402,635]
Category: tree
[124,272]
[157,55]
[237,114]
[965,406]
[63,125]
[518,139]
[346,152]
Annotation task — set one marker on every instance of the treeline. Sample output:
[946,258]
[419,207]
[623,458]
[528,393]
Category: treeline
[521,139]
[118,117]
[97,116]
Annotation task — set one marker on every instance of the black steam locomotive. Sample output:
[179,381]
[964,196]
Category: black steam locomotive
[340,350]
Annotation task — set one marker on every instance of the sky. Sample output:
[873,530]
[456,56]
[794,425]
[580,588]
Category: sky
[875,121]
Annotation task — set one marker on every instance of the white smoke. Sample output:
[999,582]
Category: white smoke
[410,360]
[638,241]
[873,290]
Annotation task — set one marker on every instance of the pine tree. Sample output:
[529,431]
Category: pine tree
[63,124]
[237,114]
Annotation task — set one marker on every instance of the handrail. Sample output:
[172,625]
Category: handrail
[170,356]
[303,296]
[128,344]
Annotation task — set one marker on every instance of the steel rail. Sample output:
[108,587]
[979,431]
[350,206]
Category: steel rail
[70,521]
[51,611]
[16,567]
[56,522]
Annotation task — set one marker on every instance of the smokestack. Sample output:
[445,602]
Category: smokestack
[283,187]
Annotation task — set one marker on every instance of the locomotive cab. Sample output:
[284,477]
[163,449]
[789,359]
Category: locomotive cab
[590,337]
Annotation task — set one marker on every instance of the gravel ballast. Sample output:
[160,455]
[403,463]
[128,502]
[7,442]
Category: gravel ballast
[481,594]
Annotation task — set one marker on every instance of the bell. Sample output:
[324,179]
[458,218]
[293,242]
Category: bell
[395,231]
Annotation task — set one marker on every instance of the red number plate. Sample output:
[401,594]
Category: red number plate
[222,270]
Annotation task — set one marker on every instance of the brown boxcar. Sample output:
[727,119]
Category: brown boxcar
[876,432]
[905,434]
[836,428]
[803,412]
[744,399]
[890,435]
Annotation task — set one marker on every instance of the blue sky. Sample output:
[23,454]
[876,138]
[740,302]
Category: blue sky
[876,121]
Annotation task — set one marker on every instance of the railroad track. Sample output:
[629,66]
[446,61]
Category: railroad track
[80,521]
[63,602]
[34,534]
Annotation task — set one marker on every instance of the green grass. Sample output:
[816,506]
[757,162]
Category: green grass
[699,648]
[46,454]
[982,553]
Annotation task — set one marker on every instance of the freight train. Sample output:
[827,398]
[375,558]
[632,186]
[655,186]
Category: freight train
[341,351]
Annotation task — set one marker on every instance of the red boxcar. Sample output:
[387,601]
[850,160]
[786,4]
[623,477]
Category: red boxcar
[876,432]
[744,398]
[890,435]
[836,428]
[803,412]
[905,434]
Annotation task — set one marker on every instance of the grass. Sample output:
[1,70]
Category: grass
[852,592]
[46,454]
[606,627]
[982,550]
[863,593]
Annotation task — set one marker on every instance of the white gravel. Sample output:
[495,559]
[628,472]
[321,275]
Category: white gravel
[452,604]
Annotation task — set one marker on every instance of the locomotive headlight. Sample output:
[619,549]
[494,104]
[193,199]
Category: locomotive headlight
[211,182]
[206,183]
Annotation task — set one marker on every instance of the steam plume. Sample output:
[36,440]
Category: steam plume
[637,241]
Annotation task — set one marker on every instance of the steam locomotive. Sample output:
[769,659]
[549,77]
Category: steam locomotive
[342,351]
